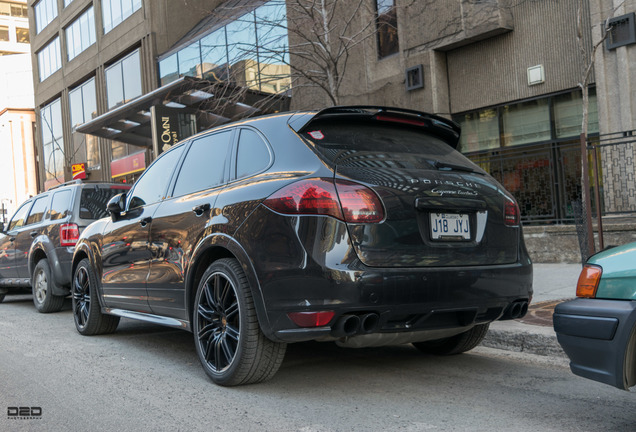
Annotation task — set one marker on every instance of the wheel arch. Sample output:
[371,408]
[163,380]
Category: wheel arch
[211,250]
[84,250]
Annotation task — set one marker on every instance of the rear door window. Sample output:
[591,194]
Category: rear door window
[204,165]
[61,204]
[38,210]
[94,199]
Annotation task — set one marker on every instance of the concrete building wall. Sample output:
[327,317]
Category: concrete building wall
[616,88]
[474,54]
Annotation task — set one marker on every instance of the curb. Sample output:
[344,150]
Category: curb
[519,337]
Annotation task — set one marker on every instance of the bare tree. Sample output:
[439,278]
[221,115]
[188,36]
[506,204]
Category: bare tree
[311,43]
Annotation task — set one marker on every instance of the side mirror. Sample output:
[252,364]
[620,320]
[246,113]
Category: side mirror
[116,205]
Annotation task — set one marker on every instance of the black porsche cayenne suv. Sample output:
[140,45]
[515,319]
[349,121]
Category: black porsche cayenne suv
[360,225]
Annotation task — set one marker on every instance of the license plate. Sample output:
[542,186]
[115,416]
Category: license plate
[450,226]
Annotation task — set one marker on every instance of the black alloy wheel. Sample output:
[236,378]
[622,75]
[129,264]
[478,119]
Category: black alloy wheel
[88,317]
[228,339]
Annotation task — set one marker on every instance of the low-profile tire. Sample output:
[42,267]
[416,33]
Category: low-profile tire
[41,286]
[87,314]
[455,344]
[229,342]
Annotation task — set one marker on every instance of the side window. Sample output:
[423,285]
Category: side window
[151,187]
[61,205]
[38,210]
[204,164]
[253,154]
[18,218]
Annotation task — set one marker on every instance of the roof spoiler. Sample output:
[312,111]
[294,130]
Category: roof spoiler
[444,128]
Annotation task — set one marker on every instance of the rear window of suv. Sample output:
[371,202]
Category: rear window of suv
[377,144]
[94,199]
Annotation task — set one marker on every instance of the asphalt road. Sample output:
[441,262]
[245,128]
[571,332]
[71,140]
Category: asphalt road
[148,378]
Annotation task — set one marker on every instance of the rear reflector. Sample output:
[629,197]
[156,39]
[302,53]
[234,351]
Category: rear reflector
[588,281]
[346,200]
[311,319]
[69,234]
[511,214]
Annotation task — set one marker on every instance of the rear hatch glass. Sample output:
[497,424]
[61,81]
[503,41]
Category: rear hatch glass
[441,209]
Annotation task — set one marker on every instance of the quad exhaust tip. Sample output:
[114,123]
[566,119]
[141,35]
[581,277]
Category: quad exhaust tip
[350,325]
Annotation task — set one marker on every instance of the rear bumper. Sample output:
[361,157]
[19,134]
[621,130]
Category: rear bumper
[419,301]
[599,337]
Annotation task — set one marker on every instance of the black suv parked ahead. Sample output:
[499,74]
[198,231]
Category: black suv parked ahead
[36,246]
[361,225]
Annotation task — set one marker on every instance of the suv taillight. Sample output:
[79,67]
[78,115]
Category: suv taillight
[511,214]
[69,234]
[344,200]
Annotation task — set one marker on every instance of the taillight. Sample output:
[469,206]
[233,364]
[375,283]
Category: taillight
[344,200]
[511,214]
[588,281]
[69,234]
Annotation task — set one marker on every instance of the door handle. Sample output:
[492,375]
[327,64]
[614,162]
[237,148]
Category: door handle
[200,209]
[145,221]
[33,233]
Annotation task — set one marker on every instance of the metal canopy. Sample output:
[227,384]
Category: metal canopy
[212,103]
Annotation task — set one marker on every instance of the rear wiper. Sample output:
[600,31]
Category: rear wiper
[446,166]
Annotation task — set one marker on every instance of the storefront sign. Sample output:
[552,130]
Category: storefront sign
[79,171]
[128,165]
[170,125]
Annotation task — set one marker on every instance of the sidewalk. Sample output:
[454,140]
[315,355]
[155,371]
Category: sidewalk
[533,333]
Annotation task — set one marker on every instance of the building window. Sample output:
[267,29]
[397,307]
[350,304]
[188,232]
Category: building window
[529,122]
[4,34]
[114,12]
[123,80]
[526,122]
[13,9]
[254,48]
[45,12]
[83,107]
[52,142]
[80,34]
[49,59]
[67,2]
[22,35]
[387,34]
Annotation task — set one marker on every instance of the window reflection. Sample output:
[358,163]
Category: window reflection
[252,51]
[123,80]
[53,140]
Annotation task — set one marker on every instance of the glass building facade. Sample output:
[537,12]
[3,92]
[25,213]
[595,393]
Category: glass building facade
[250,51]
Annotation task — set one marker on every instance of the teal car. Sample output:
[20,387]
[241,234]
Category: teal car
[598,329]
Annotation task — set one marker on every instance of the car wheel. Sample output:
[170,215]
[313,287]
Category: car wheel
[43,297]
[89,319]
[456,344]
[229,342]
